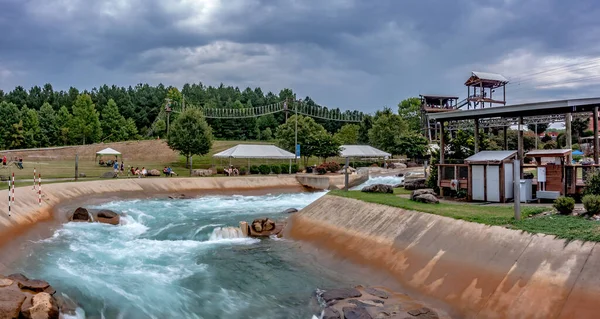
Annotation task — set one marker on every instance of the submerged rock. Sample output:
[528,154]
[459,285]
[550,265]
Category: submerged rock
[179,196]
[108,217]
[378,188]
[290,211]
[265,227]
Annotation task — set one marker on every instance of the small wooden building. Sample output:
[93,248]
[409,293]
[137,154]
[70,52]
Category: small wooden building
[553,171]
[491,176]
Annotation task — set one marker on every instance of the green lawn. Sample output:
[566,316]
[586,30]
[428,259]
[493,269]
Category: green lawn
[567,227]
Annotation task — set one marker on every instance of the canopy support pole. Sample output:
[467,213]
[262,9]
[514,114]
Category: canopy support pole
[290,166]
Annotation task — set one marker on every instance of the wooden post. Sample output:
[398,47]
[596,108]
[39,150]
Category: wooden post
[476,135]
[568,136]
[596,135]
[520,147]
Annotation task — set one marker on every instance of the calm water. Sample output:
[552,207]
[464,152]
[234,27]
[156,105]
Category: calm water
[164,263]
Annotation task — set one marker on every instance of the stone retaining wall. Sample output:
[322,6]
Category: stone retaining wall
[481,271]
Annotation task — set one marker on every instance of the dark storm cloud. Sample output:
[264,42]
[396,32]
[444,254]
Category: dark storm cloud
[374,52]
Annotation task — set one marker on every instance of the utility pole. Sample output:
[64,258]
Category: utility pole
[296,131]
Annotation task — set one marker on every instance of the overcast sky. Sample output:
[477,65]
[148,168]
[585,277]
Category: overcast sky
[342,53]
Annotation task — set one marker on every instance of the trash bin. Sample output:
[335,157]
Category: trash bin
[525,190]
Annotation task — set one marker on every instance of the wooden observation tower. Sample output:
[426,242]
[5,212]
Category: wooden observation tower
[435,104]
[484,86]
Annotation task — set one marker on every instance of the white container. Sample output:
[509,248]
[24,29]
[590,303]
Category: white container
[525,190]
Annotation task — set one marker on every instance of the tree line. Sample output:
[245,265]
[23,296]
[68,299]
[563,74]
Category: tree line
[42,117]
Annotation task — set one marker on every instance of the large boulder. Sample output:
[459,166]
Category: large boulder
[10,303]
[202,172]
[427,198]
[110,174]
[415,184]
[290,211]
[44,306]
[341,293]
[265,227]
[378,188]
[102,216]
[108,217]
[419,192]
[154,172]
[81,215]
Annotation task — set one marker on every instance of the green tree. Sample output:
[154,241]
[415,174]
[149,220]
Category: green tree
[324,145]
[541,127]
[267,134]
[129,130]
[310,135]
[31,127]
[190,134]
[112,122]
[9,115]
[348,134]
[411,144]
[387,127]
[85,124]
[410,111]
[63,123]
[48,125]
[365,126]
[579,126]
[16,134]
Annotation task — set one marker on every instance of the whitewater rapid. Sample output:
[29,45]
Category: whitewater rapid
[387,180]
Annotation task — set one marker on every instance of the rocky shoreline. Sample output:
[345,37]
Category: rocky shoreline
[21,297]
[372,303]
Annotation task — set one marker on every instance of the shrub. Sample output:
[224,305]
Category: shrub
[575,146]
[264,169]
[254,169]
[591,204]
[564,205]
[577,158]
[243,171]
[592,182]
[332,167]
[322,169]
[285,168]
[295,168]
[220,170]
[276,169]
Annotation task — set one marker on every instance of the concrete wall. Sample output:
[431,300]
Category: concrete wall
[330,181]
[481,271]
[26,212]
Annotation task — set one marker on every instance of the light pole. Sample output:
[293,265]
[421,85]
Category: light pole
[296,131]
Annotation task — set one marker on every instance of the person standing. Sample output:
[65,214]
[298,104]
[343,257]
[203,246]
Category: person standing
[116,167]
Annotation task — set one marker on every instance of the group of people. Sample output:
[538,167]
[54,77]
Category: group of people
[168,171]
[19,161]
[139,172]
[231,171]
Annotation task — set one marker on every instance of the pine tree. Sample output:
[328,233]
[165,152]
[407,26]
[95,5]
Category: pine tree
[112,122]
[31,127]
[48,126]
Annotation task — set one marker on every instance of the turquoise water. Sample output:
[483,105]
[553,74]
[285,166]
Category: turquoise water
[166,262]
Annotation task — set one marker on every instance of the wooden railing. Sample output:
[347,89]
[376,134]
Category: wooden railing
[448,172]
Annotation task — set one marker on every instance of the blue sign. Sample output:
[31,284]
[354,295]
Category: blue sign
[297,150]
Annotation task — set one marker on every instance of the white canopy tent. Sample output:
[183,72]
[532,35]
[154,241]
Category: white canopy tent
[249,151]
[108,152]
[362,151]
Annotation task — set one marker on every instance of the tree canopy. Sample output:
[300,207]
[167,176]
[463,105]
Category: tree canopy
[190,134]
[314,140]
[410,111]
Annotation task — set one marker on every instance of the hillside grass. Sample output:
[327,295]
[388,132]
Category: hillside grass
[565,227]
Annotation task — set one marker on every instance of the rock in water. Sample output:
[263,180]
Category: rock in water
[419,192]
[378,188]
[418,183]
[10,303]
[330,313]
[356,313]
[290,211]
[81,215]
[108,217]
[339,294]
[268,225]
[44,307]
[257,226]
[427,198]
[377,293]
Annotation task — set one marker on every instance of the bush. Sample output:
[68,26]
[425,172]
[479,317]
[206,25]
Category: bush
[592,182]
[254,169]
[243,171]
[264,169]
[285,168]
[295,168]
[322,169]
[220,170]
[577,158]
[564,205]
[575,146]
[332,167]
[591,204]
[276,169]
